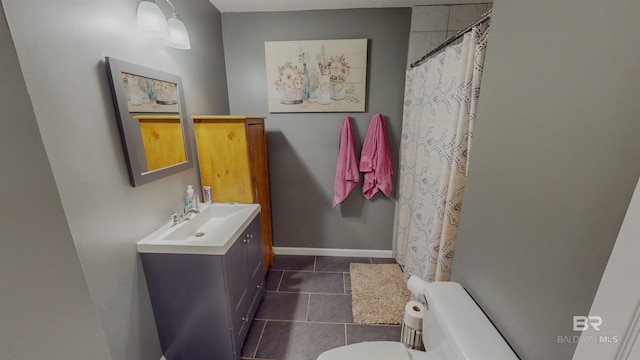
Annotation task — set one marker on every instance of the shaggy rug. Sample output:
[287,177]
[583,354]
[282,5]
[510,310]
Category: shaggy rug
[379,293]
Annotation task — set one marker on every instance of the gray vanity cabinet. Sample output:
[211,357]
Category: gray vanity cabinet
[204,304]
[245,288]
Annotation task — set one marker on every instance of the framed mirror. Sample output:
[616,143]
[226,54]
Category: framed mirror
[151,118]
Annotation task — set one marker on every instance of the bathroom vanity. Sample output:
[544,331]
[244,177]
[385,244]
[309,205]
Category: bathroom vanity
[205,279]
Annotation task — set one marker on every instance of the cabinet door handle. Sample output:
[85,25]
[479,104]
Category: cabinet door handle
[244,319]
[259,286]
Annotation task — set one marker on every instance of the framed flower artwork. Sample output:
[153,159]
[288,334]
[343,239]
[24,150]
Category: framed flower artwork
[316,75]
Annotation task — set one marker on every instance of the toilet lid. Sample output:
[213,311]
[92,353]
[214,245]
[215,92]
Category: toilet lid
[375,350]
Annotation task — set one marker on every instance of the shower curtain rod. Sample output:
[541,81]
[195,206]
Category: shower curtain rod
[484,18]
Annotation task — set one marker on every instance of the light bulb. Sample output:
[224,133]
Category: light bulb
[178,36]
[151,21]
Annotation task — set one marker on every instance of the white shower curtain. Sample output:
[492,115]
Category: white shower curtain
[441,98]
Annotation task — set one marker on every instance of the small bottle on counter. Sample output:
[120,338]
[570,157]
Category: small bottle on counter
[190,202]
[207,194]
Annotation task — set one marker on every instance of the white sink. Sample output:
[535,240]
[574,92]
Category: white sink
[212,231]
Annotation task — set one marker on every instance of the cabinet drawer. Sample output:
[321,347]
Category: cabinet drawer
[255,294]
[254,251]
[246,280]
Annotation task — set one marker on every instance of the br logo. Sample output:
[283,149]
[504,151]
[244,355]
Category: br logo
[582,323]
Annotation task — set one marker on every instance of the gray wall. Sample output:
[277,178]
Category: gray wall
[554,162]
[431,25]
[303,147]
[61,46]
[46,310]
[616,302]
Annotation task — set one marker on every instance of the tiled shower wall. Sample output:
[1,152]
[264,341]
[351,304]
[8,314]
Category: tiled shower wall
[431,25]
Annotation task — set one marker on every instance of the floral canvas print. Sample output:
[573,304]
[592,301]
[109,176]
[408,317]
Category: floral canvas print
[149,95]
[316,75]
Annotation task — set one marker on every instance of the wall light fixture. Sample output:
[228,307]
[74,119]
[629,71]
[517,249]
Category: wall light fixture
[152,23]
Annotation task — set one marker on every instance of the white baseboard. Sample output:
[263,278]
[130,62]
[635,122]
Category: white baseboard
[333,252]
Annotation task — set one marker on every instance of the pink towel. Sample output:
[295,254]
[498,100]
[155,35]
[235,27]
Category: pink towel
[375,160]
[347,175]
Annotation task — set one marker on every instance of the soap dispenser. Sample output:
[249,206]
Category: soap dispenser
[190,199]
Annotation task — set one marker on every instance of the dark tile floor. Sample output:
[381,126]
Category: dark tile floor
[307,310]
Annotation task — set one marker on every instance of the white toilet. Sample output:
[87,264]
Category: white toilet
[454,328]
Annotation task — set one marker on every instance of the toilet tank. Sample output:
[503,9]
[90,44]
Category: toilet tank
[454,327]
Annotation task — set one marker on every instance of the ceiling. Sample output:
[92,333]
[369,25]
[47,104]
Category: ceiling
[294,5]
